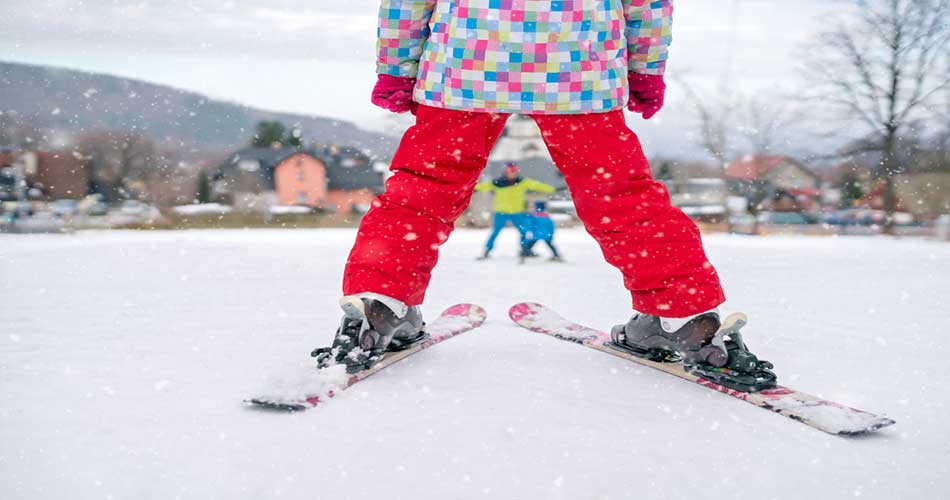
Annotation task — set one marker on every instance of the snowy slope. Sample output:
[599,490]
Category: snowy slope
[124,357]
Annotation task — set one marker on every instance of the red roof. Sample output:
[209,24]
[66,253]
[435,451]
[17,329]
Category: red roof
[752,167]
[805,192]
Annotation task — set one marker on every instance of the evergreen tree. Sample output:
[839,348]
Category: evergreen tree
[850,190]
[204,188]
[294,137]
[665,172]
[267,134]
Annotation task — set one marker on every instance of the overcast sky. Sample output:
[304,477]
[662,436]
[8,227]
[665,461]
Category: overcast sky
[317,56]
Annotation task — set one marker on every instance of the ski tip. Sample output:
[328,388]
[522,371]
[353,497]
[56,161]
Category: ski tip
[521,310]
[877,425]
[475,313]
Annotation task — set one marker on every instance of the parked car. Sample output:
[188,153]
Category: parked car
[742,224]
[137,208]
[62,208]
[840,218]
[97,209]
[562,207]
[865,217]
[17,208]
[93,204]
[786,218]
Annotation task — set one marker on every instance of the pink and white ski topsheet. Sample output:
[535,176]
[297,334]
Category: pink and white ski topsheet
[322,384]
[816,412]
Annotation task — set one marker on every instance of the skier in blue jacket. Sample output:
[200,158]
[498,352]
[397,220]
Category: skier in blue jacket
[538,226]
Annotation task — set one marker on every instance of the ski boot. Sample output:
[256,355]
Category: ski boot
[707,348]
[371,326]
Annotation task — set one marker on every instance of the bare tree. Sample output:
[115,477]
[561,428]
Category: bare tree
[115,158]
[714,121]
[877,66]
[766,122]
[731,123]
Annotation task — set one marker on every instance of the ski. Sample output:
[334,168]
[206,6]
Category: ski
[325,383]
[822,414]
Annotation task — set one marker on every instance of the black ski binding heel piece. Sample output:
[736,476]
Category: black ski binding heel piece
[656,355]
[402,343]
[727,360]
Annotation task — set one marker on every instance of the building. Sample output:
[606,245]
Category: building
[49,175]
[7,175]
[774,182]
[60,175]
[925,195]
[704,199]
[333,179]
[520,140]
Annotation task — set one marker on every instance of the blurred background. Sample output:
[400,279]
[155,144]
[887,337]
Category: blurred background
[809,117]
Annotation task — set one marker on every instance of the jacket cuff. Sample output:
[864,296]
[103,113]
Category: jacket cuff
[404,70]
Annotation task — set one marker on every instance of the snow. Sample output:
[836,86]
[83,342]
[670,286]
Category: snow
[202,208]
[290,209]
[293,386]
[124,358]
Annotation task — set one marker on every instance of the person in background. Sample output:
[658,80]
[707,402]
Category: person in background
[539,227]
[509,205]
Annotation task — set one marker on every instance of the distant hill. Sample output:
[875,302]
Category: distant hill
[71,101]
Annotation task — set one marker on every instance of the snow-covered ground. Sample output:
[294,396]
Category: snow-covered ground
[124,357]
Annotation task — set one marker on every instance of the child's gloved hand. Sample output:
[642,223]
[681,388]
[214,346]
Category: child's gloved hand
[394,93]
[646,94]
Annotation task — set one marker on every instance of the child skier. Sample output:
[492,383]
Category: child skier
[463,67]
[539,227]
[509,191]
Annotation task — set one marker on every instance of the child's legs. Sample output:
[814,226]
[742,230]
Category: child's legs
[436,168]
[550,245]
[656,247]
[498,222]
[527,245]
[521,221]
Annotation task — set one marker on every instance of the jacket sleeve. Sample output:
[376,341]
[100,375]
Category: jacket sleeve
[538,187]
[649,34]
[403,31]
[485,186]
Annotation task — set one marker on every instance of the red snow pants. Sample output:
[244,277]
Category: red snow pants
[656,247]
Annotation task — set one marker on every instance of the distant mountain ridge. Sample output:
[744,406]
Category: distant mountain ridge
[68,100]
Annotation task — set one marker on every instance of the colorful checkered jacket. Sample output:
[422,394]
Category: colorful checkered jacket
[523,56]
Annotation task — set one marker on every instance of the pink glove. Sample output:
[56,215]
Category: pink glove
[394,93]
[646,94]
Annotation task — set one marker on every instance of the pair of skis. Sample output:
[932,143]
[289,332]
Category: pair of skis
[822,414]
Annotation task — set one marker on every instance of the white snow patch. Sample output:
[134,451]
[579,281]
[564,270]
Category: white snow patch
[202,208]
[83,369]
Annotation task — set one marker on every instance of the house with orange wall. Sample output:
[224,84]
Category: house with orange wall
[333,179]
[301,179]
